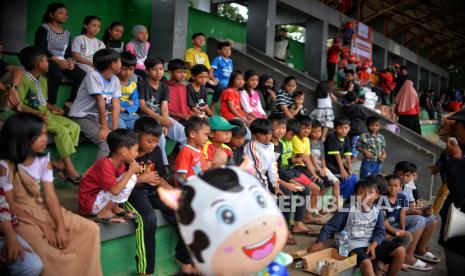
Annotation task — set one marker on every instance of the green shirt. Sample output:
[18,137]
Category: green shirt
[286,155]
[33,92]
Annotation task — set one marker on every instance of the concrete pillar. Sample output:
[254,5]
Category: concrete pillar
[261,25]
[380,58]
[413,72]
[169,28]
[316,35]
[203,5]
[429,79]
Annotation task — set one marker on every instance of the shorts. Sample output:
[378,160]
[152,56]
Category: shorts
[383,252]
[413,223]
[104,197]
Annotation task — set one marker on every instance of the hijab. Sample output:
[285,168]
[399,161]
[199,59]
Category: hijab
[407,97]
[139,46]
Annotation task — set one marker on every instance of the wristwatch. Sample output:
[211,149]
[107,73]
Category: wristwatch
[12,85]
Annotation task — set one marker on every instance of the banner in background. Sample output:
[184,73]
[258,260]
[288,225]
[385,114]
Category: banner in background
[363,44]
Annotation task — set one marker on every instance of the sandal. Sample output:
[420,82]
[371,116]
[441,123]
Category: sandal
[428,257]
[113,219]
[127,215]
[60,172]
[420,265]
[291,241]
[76,180]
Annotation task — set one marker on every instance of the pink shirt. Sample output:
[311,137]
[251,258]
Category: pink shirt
[140,60]
[252,104]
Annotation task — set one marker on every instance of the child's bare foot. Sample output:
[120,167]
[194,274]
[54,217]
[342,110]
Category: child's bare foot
[190,269]
[301,228]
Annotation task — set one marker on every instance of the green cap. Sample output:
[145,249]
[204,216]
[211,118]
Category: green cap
[219,123]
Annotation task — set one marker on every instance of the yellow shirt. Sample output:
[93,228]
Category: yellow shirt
[196,57]
[300,146]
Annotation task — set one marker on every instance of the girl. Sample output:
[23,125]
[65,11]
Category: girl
[112,37]
[139,46]
[266,91]
[284,99]
[250,100]
[86,44]
[66,243]
[230,100]
[55,40]
[324,108]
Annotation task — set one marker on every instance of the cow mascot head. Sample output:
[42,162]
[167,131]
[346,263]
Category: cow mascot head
[230,223]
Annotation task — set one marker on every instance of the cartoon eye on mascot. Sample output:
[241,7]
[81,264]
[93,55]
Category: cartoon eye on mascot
[230,223]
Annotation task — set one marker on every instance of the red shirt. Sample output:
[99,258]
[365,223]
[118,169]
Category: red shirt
[190,161]
[101,176]
[414,111]
[178,98]
[333,54]
[230,94]
[386,81]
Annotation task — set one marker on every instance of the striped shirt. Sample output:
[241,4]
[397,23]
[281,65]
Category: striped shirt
[283,98]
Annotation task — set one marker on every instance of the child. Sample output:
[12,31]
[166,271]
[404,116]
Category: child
[324,107]
[129,100]
[284,99]
[298,107]
[33,96]
[178,107]
[293,184]
[112,37]
[86,45]
[190,160]
[144,198]
[18,256]
[220,135]
[223,69]
[373,147]
[139,46]
[197,98]
[267,92]
[106,184]
[10,77]
[230,102]
[237,140]
[194,56]
[364,225]
[154,96]
[357,116]
[317,156]
[336,146]
[405,171]
[260,151]
[250,100]
[399,225]
[98,94]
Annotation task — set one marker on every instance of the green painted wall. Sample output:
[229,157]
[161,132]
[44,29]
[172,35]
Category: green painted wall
[297,50]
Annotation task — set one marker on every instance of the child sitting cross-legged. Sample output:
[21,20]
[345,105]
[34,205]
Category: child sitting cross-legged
[237,140]
[129,100]
[364,223]
[34,99]
[190,160]
[220,135]
[107,183]
[399,225]
[144,199]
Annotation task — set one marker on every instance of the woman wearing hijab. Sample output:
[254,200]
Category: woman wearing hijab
[266,92]
[408,107]
[139,46]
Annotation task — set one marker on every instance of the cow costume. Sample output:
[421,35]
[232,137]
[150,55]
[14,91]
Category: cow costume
[231,225]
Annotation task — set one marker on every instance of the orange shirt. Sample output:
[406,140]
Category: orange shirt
[190,161]
[230,94]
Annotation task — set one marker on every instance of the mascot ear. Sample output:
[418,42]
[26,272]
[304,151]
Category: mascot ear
[170,197]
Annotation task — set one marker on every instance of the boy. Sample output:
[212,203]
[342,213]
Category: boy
[260,150]
[298,106]
[292,182]
[197,98]
[337,145]
[223,67]
[190,160]
[356,114]
[144,199]
[194,55]
[33,95]
[405,171]
[399,225]
[220,135]
[237,140]
[106,184]
[129,100]
[178,107]
[10,77]
[154,96]
[364,225]
[350,85]
[98,94]
[373,147]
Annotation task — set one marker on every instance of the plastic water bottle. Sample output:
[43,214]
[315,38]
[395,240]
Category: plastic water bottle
[344,244]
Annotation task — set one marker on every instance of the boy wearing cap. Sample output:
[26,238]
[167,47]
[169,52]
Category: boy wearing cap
[220,135]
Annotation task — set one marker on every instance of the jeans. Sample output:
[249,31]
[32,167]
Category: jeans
[369,167]
[292,201]
[126,120]
[30,265]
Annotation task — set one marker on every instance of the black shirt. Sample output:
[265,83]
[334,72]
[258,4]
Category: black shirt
[3,66]
[238,155]
[195,98]
[152,161]
[153,98]
[334,145]
[357,117]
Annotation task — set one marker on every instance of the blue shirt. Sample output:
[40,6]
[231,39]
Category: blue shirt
[223,69]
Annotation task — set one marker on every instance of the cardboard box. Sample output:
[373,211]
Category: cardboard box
[326,262]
